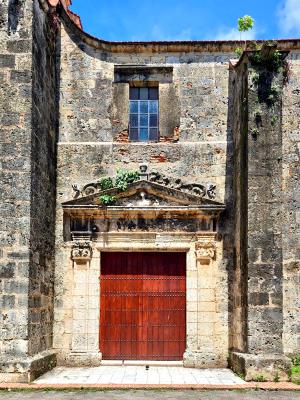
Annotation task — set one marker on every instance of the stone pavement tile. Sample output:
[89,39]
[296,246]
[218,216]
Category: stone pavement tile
[103,379]
[138,376]
[153,379]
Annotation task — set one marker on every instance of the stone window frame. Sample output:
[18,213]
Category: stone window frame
[147,76]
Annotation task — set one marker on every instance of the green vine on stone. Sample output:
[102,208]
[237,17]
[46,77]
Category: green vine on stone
[124,178]
[256,58]
[106,183]
[121,182]
[273,95]
[107,200]
[239,51]
[275,63]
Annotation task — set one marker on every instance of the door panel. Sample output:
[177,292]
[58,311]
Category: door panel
[143,306]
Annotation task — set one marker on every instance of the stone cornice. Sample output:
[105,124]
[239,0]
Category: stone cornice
[73,23]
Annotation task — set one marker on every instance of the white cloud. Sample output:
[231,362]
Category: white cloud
[289,17]
[234,34]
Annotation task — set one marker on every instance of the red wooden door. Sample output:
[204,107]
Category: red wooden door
[143,306]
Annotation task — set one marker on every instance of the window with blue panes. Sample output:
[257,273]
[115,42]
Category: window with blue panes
[143,114]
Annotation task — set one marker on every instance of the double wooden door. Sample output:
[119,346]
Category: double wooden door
[143,306]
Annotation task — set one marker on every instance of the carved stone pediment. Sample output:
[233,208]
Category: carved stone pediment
[143,207]
[198,189]
[146,195]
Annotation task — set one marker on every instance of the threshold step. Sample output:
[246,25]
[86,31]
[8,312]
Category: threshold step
[111,363]
[142,363]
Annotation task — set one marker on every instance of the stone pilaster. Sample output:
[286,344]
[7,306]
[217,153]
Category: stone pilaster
[203,323]
[85,309]
[259,247]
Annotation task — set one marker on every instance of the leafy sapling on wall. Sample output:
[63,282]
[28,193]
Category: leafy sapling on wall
[121,182]
[245,24]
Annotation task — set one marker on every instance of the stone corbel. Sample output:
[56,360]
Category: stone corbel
[82,252]
[205,250]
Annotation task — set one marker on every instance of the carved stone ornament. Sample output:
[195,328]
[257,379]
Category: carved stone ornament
[196,189]
[211,191]
[205,250]
[81,252]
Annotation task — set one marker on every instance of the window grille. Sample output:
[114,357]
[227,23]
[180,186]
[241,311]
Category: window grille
[143,114]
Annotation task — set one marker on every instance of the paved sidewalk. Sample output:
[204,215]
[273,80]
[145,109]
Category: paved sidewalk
[131,375]
[153,395]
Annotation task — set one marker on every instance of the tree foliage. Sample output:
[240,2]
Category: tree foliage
[245,23]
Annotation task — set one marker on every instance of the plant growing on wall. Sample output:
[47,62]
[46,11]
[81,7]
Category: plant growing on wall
[106,183]
[124,178]
[121,182]
[245,24]
[107,200]
[273,63]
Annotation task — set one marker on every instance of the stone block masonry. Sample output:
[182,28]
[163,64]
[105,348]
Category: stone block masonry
[28,153]
[260,237]
[15,197]
[64,124]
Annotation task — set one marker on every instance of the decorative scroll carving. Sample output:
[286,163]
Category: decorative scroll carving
[76,190]
[205,250]
[144,171]
[177,183]
[211,191]
[81,252]
[89,190]
[196,189]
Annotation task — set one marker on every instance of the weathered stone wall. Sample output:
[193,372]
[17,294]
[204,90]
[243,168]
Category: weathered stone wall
[43,181]
[264,233]
[291,207]
[238,284]
[62,89]
[271,155]
[28,187]
[87,149]
[259,196]
[15,110]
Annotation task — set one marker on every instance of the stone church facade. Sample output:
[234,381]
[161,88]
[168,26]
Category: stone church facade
[149,199]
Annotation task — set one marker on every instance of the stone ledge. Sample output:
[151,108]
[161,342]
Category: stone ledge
[199,359]
[264,366]
[27,369]
[81,359]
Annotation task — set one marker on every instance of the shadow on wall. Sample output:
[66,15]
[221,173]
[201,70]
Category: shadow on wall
[236,284]
[15,13]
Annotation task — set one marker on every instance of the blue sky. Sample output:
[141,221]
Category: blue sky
[143,20]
